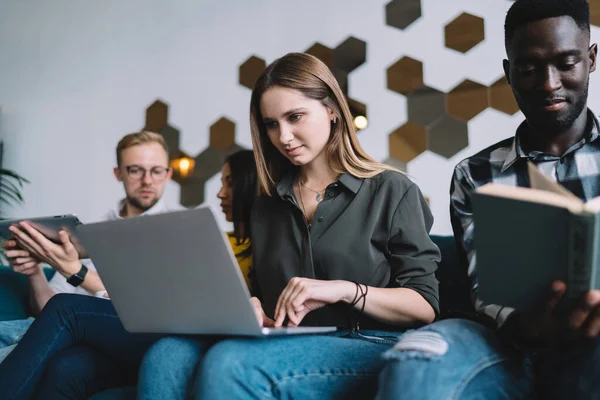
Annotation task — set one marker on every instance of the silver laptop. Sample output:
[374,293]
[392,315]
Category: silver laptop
[175,273]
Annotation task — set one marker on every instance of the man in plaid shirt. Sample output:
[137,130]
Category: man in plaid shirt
[577,169]
[543,354]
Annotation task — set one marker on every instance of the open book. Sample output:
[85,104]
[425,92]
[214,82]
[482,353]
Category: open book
[526,238]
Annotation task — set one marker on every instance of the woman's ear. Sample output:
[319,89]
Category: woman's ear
[332,115]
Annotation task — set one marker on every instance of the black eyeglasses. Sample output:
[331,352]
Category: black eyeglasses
[156,173]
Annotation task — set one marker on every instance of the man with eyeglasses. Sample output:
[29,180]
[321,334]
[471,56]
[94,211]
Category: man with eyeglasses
[143,167]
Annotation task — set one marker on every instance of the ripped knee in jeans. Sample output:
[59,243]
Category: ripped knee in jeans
[418,344]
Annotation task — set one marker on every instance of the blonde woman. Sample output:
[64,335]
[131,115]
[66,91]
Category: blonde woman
[338,239]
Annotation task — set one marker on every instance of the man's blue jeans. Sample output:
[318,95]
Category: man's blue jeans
[462,359]
[74,336]
[344,365]
[10,334]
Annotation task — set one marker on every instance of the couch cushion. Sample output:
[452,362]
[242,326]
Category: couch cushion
[14,302]
[123,393]
[455,288]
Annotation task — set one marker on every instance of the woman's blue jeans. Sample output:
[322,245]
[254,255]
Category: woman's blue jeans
[343,365]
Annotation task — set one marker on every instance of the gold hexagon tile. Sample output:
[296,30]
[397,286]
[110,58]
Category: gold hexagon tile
[467,100]
[405,75]
[222,134]
[157,116]
[448,136]
[323,53]
[402,13]
[407,142]
[502,97]
[250,70]
[594,12]
[464,32]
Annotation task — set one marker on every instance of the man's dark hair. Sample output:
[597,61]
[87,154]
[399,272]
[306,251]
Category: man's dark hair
[523,12]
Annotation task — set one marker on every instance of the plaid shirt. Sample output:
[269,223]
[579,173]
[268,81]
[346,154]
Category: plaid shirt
[578,170]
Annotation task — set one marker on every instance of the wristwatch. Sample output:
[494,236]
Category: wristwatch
[77,279]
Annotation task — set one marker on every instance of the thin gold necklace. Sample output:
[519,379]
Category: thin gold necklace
[319,197]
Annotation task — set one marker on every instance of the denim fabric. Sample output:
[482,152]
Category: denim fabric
[333,366]
[66,321]
[461,359]
[80,371]
[571,372]
[10,334]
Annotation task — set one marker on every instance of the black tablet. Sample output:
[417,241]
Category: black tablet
[48,226]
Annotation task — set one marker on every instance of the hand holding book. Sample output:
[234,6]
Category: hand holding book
[545,327]
[529,238]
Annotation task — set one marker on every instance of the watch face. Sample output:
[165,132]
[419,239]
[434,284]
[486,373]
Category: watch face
[75,280]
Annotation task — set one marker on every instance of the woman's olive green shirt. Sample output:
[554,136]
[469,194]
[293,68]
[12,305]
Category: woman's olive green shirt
[373,231]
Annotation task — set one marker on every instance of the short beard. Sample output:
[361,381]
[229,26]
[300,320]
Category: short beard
[134,202]
[555,127]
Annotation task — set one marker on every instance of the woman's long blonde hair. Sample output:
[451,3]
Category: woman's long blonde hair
[308,75]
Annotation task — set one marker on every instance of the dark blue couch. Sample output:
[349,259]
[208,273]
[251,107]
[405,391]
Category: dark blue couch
[454,298]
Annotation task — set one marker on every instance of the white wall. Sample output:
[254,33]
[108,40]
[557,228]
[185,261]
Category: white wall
[77,75]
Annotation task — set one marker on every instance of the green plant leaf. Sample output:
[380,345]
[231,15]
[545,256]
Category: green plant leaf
[12,192]
[10,184]
[13,174]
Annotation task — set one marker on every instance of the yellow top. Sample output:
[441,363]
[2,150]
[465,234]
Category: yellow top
[244,262]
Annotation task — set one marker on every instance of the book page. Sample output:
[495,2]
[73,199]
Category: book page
[533,195]
[539,181]
[593,205]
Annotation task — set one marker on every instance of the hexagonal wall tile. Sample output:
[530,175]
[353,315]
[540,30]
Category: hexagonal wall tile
[502,97]
[405,75]
[157,116]
[594,12]
[192,192]
[342,78]
[448,136]
[467,100]
[350,54]
[250,70]
[408,141]
[323,53]
[425,105]
[208,163]
[222,134]
[464,32]
[356,107]
[171,136]
[392,162]
[401,13]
